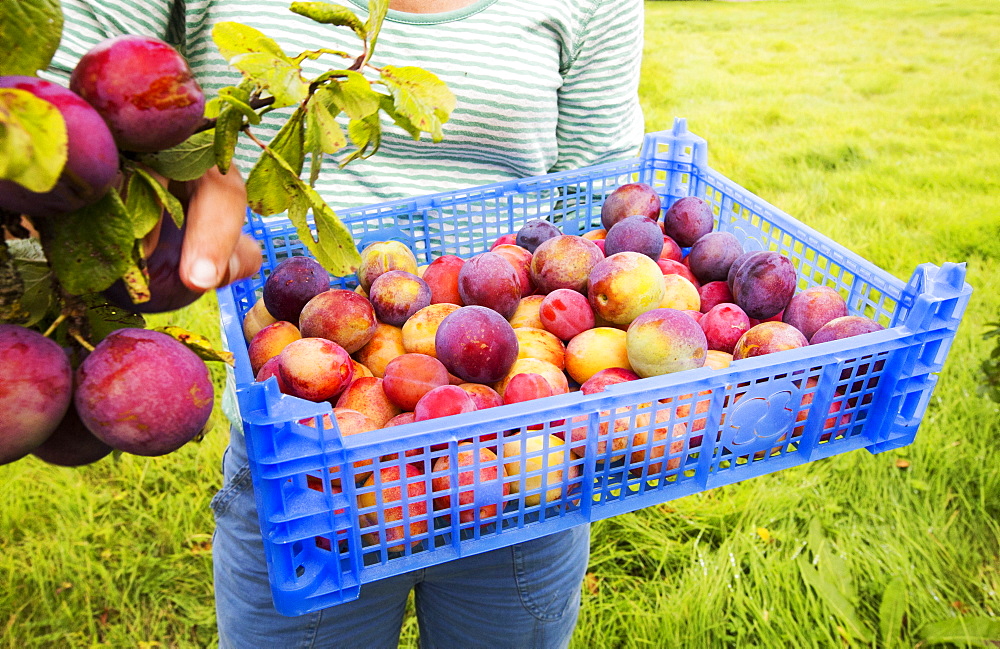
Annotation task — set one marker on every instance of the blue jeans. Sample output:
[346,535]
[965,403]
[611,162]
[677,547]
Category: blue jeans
[522,596]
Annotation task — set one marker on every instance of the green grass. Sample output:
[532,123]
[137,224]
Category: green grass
[874,123]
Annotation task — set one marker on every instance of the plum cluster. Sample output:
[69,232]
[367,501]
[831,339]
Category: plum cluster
[541,313]
[138,391]
[130,93]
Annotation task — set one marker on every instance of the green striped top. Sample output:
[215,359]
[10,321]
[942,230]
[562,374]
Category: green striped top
[541,85]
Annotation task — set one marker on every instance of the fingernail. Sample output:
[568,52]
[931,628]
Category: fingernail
[204,274]
[234,267]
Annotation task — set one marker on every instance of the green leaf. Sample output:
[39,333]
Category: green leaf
[963,631]
[352,94]
[266,191]
[142,205]
[104,317]
[330,14]
[892,611]
[38,299]
[366,134]
[835,601]
[29,35]
[420,97]
[333,247]
[377,10]
[92,247]
[168,201]
[279,76]
[32,140]
[235,39]
[189,160]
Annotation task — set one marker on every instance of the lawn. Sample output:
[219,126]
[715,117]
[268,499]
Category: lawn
[874,123]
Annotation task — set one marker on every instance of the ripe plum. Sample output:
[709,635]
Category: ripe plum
[91,156]
[36,383]
[291,284]
[142,392]
[144,90]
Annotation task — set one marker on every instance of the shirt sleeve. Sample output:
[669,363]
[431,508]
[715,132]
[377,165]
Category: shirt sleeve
[88,22]
[600,119]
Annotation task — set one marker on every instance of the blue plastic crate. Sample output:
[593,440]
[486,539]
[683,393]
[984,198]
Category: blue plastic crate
[640,443]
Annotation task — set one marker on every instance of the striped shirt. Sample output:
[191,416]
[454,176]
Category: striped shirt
[541,85]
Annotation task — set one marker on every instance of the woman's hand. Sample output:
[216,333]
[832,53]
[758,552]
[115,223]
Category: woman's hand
[214,252]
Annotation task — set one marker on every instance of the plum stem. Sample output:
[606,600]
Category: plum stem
[80,339]
[55,324]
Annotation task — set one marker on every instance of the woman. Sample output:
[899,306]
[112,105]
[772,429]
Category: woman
[541,86]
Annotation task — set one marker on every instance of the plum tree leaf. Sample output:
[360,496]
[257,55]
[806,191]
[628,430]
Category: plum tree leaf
[33,142]
[353,95]
[167,201]
[366,134]
[188,160]
[142,205]
[276,74]
[238,97]
[323,135]
[421,97]
[377,10]
[330,14]
[92,247]
[235,39]
[390,109]
[266,192]
[333,246]
[38,300]
[104,317]
[234,106]
[29,35]
[199,344]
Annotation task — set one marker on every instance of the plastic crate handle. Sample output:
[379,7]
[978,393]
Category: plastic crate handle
[936,299]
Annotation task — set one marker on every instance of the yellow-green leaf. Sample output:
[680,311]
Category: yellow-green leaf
[235,39]
[399,120]
[33,143]
[352,94]
[377,10]
[366,134]
[199,344]
[276,74]
[322,130]
[421,97]
[29,35]
[333,247]
[330,14]
[323,135]
[266,187]
[238,97]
